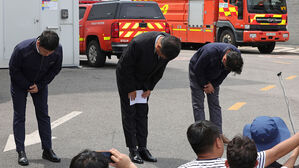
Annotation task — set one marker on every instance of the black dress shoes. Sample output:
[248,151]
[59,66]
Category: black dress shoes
[50,155]
[146,155]
[22,158]
[135,157]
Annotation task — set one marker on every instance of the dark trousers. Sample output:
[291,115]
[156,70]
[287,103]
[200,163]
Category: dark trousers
[40,101]
[198,97]
[134,120]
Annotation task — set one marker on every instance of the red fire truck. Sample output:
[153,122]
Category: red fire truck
[106,28]
[257,23]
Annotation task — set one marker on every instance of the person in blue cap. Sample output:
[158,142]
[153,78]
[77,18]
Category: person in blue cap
[267,132]
[205,140]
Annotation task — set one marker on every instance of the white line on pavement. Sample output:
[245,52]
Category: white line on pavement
[33,138]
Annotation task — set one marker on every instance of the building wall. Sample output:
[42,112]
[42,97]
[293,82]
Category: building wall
[29,18]
[293,21]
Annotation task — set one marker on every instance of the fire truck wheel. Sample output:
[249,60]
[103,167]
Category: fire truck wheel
[227,36]
[266,48]
[96,57]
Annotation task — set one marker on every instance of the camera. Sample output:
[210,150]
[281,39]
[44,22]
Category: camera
[107,155]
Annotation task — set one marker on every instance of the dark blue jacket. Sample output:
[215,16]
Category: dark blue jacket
[28,67]
[206,64]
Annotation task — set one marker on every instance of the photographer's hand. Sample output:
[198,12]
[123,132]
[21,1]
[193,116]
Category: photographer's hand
[121,160]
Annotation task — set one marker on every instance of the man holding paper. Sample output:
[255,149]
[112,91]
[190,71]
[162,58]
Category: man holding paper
[139,69]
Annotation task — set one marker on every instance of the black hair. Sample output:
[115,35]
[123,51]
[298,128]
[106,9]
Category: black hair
[170,47]
[48,40]
[89,159]
[241,152]
[202,135]
[234,61]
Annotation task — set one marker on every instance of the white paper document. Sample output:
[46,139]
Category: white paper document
[139,98]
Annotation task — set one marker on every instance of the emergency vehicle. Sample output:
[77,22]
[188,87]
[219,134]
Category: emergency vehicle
[257,23]
[107,27]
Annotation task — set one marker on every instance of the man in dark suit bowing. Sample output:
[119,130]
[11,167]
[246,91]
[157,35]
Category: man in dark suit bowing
[140,67]
[34,63]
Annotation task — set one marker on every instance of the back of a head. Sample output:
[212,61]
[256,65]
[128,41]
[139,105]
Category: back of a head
[234,61]
[49,40]
[89,159]
[202,135]
[170,47]
[241,153]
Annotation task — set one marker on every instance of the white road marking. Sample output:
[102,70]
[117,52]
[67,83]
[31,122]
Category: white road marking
[284,49]
[277,49]
[33,138]
[294,50]
[280,62]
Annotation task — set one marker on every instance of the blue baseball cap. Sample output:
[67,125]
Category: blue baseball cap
[266,132]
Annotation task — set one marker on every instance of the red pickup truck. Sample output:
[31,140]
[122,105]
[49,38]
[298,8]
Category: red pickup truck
[106,28]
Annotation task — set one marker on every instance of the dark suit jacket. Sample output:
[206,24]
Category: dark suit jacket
[27,66]
[139,66]
[206,64]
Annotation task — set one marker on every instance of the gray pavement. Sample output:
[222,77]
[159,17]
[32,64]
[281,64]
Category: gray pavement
[94,92]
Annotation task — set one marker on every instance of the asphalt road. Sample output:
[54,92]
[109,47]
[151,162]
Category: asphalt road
[93,92]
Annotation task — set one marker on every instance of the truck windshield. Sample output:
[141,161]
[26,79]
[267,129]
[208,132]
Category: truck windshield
[140,11]
[267,6]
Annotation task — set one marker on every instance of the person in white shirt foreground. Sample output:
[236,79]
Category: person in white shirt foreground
[204,138]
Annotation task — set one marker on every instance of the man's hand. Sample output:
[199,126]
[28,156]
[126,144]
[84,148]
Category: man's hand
[292,160]
[121,160]
[132,95]
[146,94]
[33,89]
[208,88]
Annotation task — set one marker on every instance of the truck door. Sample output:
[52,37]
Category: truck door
[176,14]
[236,12]
[210,15]
[81,27]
